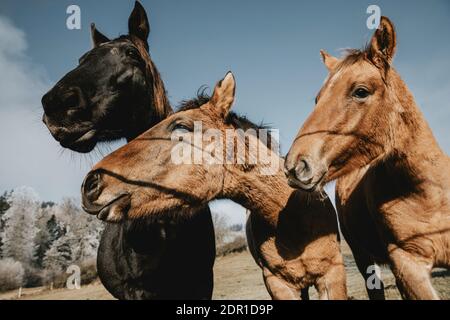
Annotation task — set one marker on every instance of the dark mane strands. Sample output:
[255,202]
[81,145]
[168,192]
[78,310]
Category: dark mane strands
[239,121]
[160,100]
[351,56]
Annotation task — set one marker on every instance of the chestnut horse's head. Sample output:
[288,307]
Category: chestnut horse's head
[142,178]
[114,92]
[356,109]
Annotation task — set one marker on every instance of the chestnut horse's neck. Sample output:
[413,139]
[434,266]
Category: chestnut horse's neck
[159,104]
[265,195]
[412,146]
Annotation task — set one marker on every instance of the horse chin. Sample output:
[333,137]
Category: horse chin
[162,210]
[85,144]
[116,211]
[316,185]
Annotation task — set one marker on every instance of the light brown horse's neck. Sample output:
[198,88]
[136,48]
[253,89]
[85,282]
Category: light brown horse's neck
[265,195]
[413,146]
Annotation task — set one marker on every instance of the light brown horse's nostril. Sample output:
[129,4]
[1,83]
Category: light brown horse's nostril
[303,171]
[91,187]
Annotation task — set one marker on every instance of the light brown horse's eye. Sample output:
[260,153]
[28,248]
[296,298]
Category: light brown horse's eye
[182,128]
[361,93]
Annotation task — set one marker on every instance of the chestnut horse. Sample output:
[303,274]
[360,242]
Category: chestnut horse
[116,91]
[293,235]
[393,185]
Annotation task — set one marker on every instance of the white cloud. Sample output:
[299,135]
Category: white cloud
[20,80]
[29,155]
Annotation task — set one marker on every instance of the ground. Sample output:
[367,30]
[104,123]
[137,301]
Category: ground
[238,277]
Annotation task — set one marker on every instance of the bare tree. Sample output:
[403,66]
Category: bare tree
[221,228]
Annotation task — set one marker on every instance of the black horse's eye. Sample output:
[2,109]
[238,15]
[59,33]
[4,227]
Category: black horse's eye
[133,54]
[361,93]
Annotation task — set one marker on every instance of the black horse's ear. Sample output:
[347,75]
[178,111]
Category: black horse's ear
[97,37]
[138,22]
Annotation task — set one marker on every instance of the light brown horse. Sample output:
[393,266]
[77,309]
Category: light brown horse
[393,185]
[293,235]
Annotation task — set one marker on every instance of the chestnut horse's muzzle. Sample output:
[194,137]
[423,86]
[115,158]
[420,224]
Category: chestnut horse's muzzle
[107,208]
[304,173]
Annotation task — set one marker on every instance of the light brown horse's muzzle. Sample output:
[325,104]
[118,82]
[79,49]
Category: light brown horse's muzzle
[304,173]
[96,201]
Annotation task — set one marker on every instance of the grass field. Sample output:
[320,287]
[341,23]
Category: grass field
[238,277]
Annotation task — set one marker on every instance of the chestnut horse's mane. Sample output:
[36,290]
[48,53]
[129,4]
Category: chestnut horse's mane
[234,119]
[351,56]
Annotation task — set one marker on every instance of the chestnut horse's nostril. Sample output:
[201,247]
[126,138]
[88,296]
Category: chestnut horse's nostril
[303,171]
[91,187]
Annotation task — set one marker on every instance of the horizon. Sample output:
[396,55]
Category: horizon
[193,44]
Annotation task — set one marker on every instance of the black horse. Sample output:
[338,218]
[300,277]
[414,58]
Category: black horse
[117,92]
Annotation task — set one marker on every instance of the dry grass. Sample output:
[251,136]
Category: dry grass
[238,277]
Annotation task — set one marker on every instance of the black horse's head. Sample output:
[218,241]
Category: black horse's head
[114,92]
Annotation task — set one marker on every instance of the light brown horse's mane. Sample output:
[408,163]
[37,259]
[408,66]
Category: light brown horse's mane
[352,56]
[234,119]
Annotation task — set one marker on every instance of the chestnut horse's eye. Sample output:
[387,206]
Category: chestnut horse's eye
[181,128]
[361,93]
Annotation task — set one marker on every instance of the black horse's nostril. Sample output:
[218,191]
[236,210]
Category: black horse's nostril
[47,102]
[71,99]
[55,100]
[91,187]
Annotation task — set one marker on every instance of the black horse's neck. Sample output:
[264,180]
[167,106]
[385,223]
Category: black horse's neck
[153,106]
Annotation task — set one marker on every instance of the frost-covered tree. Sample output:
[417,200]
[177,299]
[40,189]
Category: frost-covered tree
[80,238]
[220,222]
[4,205]
[11,274]
[60,254]
[19,225]
[48,231]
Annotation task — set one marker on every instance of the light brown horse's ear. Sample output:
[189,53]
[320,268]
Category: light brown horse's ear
[138,24]
[329,61]
[223,96]
[97,37]
[383,44]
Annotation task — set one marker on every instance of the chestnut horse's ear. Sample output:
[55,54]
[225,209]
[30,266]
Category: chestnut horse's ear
[223,96]
[97,37]
[138,22]
[329,61]
[383,44]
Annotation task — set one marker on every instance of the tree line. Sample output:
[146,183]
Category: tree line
[39,240]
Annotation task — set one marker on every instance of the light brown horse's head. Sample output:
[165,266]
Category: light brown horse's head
[355,111]
[142,178]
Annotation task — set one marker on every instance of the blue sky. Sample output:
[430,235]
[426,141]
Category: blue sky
[271,46]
